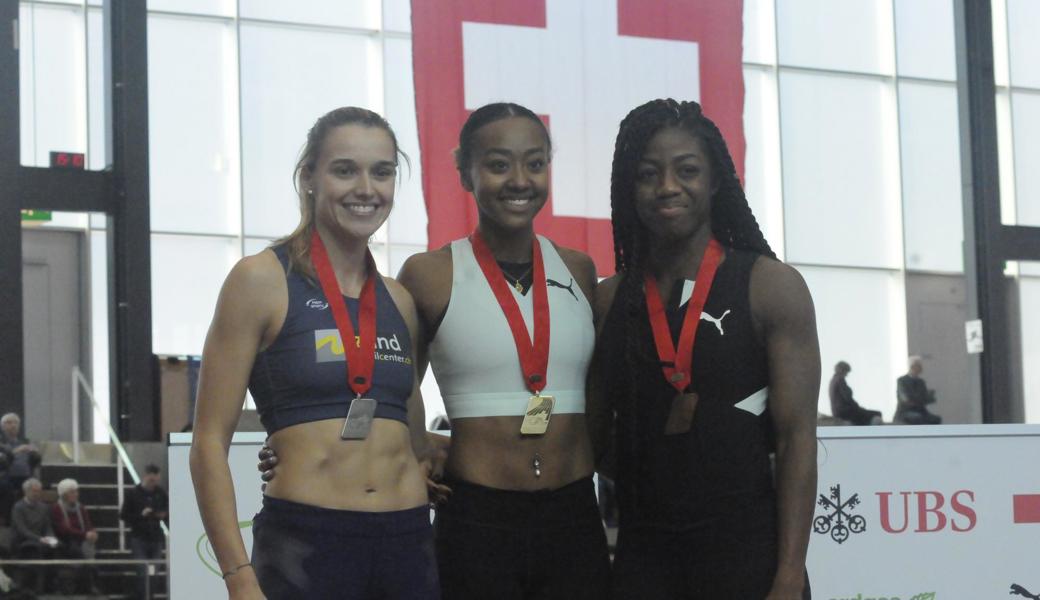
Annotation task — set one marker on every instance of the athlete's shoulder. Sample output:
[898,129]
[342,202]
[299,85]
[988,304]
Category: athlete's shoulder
[256,274]
[580,265]
[778,292]
[428,276]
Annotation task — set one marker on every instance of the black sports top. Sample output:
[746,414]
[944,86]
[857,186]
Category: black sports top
[302,377]
[717,477]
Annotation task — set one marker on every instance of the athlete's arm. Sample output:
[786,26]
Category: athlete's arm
[427,278]
[786,321]
[245,316]
[599,413]
[416,410]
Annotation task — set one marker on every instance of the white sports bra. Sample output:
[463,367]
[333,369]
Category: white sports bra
[473,354]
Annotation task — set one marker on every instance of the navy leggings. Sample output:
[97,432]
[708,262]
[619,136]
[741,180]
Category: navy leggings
[511,545]
[303,551]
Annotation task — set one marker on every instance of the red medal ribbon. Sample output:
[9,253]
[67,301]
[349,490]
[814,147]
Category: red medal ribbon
[361,354]
[534,357]
[677,365]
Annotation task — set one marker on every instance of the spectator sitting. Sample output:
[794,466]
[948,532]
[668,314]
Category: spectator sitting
[145,507]
[74,530]
[34,535]
[843,406]
[914,396]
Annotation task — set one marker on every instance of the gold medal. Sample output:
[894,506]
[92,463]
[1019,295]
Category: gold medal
[536,419]
[680,417]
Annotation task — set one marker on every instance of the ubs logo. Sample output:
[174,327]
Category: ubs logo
[837,518]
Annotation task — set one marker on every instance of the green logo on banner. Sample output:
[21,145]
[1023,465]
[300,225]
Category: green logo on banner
[205,551]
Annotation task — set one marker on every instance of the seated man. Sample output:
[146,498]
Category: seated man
[34,535]
[74,530]
[843,406]
[914,396]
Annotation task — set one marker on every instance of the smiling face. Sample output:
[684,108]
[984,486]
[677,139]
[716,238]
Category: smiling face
[674,185]
[353,180]
[509,172]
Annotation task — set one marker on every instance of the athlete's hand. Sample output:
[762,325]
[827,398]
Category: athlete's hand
[266,465]
[433,467]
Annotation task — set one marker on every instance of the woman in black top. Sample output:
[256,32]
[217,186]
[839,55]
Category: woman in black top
[699,515]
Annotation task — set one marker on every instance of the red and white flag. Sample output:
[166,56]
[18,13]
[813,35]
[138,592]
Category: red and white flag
[581,65]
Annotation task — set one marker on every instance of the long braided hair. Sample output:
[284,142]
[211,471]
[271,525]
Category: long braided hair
[732,224]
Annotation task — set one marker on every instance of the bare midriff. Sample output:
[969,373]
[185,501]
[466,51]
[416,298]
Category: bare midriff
[317,467]
[490,451]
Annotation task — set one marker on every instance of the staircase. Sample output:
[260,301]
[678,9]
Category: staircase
[99,493]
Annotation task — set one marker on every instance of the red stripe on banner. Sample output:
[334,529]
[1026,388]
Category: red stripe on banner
[1027,508]
[721,55]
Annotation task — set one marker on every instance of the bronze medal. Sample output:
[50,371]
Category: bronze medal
[536,418]
[680,417]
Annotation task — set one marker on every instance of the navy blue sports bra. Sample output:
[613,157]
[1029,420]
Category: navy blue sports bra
[301,377]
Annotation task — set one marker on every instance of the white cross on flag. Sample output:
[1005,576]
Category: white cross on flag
[581,65]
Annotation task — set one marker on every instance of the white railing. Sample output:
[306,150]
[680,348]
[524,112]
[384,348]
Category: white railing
[79,382]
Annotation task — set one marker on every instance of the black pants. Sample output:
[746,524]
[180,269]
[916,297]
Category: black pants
[508,545]
[144,548]
[303,551]
[690,566]
[857,415]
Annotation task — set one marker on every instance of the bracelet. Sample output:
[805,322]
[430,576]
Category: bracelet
[235,570]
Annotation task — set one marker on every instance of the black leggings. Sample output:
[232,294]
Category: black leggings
[303,551]
[510,545]
[689,566]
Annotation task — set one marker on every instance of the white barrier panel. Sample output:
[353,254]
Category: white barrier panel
[194,573]
[927,513]
[903,513]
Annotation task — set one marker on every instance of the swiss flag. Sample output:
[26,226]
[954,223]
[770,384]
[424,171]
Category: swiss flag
[581,64]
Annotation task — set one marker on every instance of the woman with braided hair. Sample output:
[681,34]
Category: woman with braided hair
[707,362]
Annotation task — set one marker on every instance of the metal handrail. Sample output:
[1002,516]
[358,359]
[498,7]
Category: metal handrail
[122,458]
[86,562]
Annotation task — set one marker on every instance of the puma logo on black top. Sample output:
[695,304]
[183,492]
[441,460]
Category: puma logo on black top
[716,322]
[554,283]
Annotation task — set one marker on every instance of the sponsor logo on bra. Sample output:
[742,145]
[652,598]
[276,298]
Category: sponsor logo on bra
[554,283]
[317,304]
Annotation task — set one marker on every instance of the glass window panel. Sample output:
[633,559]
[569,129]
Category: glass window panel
[223,8]
[924,39]
[861,319]
[1023,17]
[290,77]
[397,15]
[1025,108]
[1001,70]
[187,272]
[845,35]
[255,245]
[193,142]
[1030,297]
[408,220]
[97,154]
[840,167]
[99,331]
[759,31]
[59,88]
[400,253]
[1006,158]
[26,85]
[762,183]
[339,13]
[932,200]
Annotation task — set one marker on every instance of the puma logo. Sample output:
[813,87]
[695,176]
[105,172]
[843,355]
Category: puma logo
[1017,590]
[716,322]
[553,283]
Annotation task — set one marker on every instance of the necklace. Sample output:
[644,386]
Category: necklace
[516,282]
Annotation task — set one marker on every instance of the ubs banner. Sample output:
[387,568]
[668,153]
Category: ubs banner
[927,513]
[581,65]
